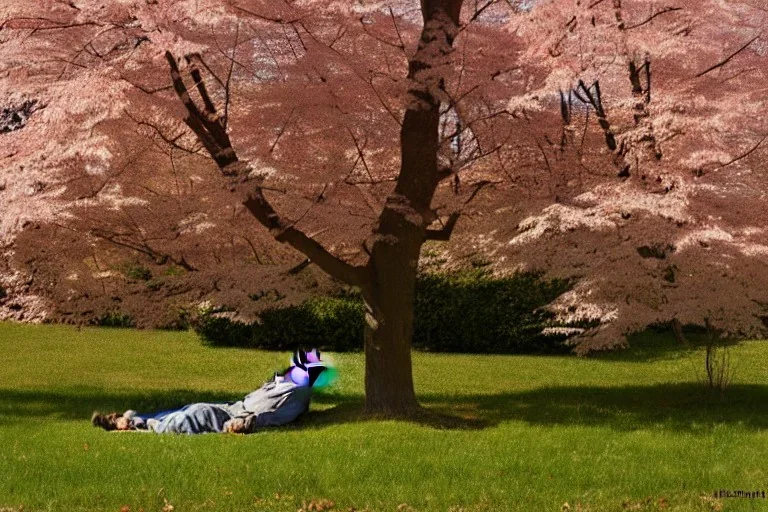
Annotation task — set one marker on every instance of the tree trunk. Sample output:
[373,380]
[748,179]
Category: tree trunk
[388,377]
[390,299]
[677,329]
[388,332]
[390,288]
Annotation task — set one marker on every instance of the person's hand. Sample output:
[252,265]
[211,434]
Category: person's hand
[235,426]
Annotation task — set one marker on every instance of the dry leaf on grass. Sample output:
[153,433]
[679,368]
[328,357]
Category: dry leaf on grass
[317,505]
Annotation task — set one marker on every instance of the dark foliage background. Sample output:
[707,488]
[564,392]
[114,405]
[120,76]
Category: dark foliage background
[465,311]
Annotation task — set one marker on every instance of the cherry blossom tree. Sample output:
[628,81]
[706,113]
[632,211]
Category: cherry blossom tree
[674,98]
[321,101]
[621,144]
[387,279]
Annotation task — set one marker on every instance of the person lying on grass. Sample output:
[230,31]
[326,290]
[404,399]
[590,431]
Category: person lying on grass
[279,401]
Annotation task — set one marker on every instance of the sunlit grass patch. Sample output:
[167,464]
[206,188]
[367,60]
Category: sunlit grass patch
[634,431]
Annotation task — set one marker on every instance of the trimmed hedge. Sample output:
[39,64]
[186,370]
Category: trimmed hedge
[468,311]
[471,311]
[330,323]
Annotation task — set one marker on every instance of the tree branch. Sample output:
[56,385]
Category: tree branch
[652,16]
[143,247]
[263,17]
[446,231]
[745,154]
[595,99]
[728,58]
[210,130]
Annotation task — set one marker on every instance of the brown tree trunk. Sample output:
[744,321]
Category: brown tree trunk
[677,329]
[389,317]
[388,377]
[390,288]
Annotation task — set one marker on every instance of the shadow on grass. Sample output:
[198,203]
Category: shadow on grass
[659,343]
[79,403]
[680,407]
[649,345]
[686,407]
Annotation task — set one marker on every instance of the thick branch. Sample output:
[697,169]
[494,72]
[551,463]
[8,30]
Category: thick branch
[419,134]
[595,99]
[445,232]
[285,232]
[209,129]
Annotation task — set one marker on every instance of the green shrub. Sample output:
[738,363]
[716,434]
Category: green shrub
[468,311]
[115,319]
[177,318]
[224,332]
[174,271]
[135,272]
[218,329]
[329,323]
[473,311]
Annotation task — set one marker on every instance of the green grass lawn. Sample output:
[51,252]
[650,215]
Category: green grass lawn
[626,431]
